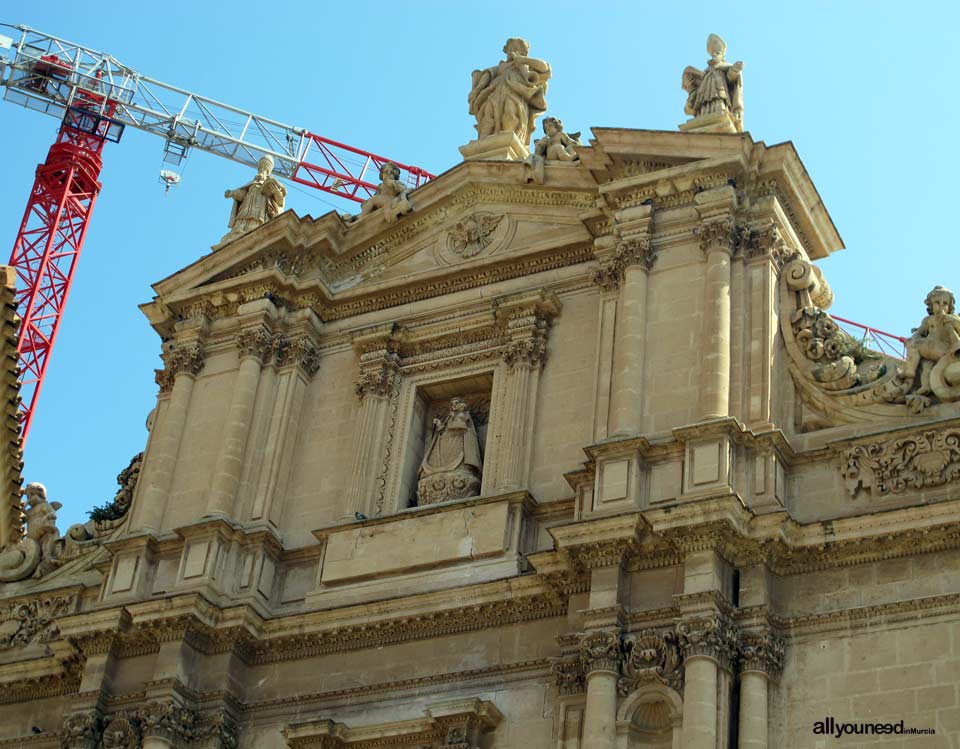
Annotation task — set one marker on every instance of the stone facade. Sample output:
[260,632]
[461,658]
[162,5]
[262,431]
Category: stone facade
[700,516]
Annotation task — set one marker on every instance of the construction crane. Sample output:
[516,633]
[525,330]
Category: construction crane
[96,97]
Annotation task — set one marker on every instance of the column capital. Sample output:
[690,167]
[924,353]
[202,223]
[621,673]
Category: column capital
[763,240]
[712,636]
[186,357]
[716,209]
[257,342]
[601,650]
[298,352]
[762,651]
[525,320]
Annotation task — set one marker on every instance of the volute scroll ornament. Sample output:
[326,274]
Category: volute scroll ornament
[923,460]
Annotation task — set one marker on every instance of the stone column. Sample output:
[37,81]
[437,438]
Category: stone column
[716,232]
[377,387]
[761,654]
[600,652]
[707,643]
[526,320]
[297,361]
[256,344]
[183,363]
[633,261]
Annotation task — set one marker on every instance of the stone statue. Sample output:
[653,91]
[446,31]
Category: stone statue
[39,548]
[933,352]
[510,96]
[715,95]
[556,145]
[452,465]
[256,202]
[391,196]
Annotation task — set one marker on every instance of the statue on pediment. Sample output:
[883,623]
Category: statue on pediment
[933,353]
[391,198]
[510,96]
[36,547]
[556,145]
[256,202]
[714,95]
[452,464]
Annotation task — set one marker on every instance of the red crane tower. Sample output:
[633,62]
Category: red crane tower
[96,98]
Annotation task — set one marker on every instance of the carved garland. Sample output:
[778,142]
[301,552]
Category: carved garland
[918,461]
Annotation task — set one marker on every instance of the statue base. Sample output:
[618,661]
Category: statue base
[719,122]
[500,147]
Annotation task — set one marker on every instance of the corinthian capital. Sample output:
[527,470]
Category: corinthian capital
[600,650]
[378,374]
[717,234]
[301,352]
[256,342]
[187,358]
[762,651]
[711,636]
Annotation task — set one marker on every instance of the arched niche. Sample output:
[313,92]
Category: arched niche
[650,717]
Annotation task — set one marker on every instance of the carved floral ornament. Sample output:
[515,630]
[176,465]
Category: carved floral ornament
[918,461]
[175,724]
[33,621]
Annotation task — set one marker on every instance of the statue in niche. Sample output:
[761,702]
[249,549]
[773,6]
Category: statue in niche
[510,96]
[933,353]
[256,202]
[35,547]
[556,145]
[452,465]
[718,90]
[391,196]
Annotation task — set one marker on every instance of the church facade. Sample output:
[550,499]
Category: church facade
[562,450]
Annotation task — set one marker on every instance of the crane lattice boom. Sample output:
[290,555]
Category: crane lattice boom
[96,97]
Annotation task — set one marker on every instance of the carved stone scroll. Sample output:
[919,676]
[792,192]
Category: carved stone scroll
[918,461]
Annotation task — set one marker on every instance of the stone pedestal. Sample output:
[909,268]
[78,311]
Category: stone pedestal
[718,122]
[500,147]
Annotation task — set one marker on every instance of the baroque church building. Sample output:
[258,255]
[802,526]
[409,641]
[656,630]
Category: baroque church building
[561,450]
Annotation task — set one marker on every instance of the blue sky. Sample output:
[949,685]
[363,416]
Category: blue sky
[866,92]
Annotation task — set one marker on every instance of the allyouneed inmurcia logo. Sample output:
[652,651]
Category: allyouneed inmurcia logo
[829,726]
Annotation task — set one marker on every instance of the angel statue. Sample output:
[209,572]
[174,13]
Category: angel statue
[556,145]
[391,196]
[451,466]
[718,90]
[510,96]
[33,545]
[256,202]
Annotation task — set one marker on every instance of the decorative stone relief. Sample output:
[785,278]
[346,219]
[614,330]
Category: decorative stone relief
[174,724]
[510,96]
[711,636]
[762,651]
[601,651]
[918,461]
[527,328]
[473,235]
[651,656]
[556,145]
[258,343]
[452,465]
[633,251]
[35,548]
[714,95]
[764,241]
[717,234]
[121,732]
[34,620]
[390,199]
[379,372]
[256,202]
[80,731]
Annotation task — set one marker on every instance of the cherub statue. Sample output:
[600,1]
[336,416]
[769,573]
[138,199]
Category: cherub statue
[718,89]
[256,202]
[510,96]
[556,145]
[451,466]
[391,196]
[39,549]
[938,336]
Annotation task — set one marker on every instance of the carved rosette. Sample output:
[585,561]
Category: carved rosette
[186,358]
[717,234]
[762,651]
[601,651]
[258,343]
[570,676]
[918,461]
[80,731]
[379,373]
[300,352]
[651,656]
[712,637]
